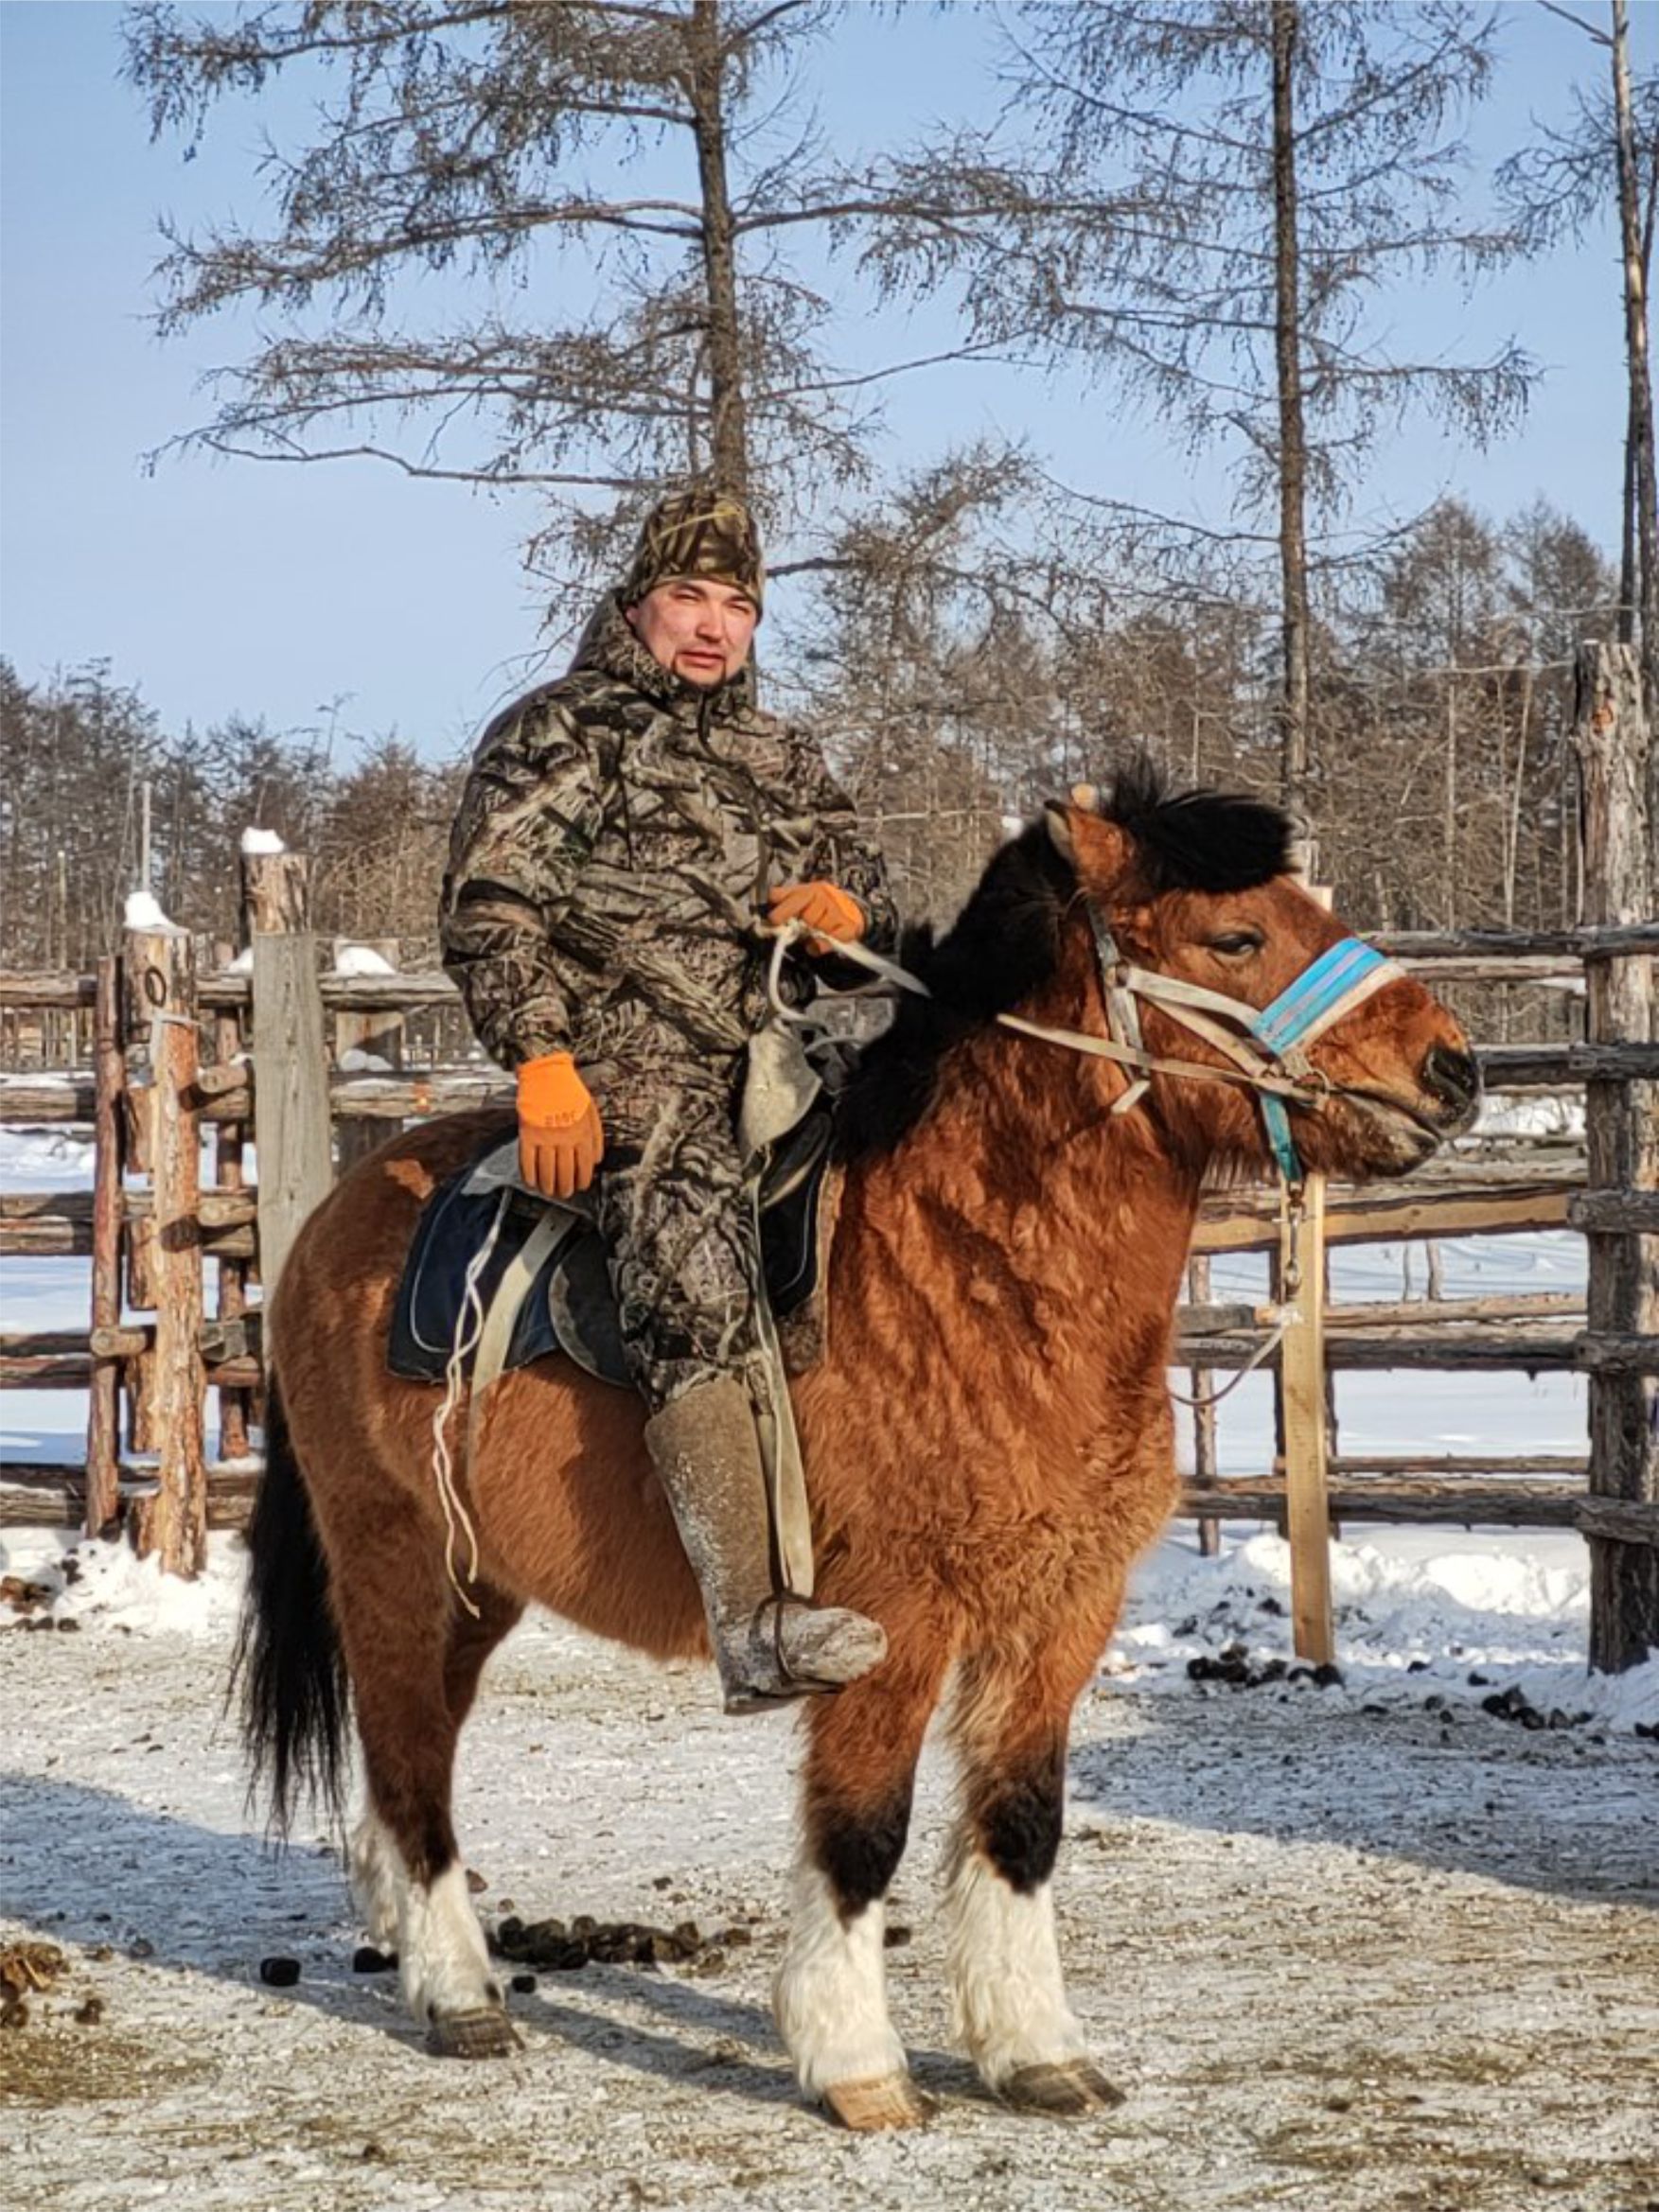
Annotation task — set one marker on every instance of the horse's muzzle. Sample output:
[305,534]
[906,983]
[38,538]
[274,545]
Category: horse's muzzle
[1452,1078]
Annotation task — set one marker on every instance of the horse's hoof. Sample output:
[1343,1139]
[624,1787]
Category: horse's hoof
[888,2100]
[1065,2089]
[486,2033]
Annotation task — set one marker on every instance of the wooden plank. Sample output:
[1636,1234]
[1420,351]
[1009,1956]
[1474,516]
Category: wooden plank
[1611,740]
[1549,1067]
[290,1089]
[29,1205]
[1465,1501]
[1392,1216]
[44,989]
[400,1098]
[49,1237]
[419,990]
[1419,1313]
[50,1359]
[1492,1350]
[1616,1213]
[1609,1352]
[1594,942]
[1621,1521]
[26,1099]
[1459,1463]
[215,1209]
[42,1493]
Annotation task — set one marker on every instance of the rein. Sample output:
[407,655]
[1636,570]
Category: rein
[1267,1046]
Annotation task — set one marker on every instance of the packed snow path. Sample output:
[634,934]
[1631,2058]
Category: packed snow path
[1341,1953]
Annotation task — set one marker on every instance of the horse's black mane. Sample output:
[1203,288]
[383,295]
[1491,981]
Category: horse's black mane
[1003,945]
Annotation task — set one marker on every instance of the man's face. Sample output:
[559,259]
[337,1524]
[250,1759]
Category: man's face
[699,630]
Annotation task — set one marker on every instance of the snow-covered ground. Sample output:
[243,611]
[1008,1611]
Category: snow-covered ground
[1388,1944]
[1368,1948]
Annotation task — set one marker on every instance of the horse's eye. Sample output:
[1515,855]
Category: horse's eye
[1237,943]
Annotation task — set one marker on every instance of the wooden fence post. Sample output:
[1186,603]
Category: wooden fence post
[161,983]
[1301,1288]
[103,1414]
[379,1031]
[1612,740]
[1206,1462]
[1303,1406]
[290,1066]
[229,1145]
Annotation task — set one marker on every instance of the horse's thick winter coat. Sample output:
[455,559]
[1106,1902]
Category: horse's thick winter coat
[988,1437]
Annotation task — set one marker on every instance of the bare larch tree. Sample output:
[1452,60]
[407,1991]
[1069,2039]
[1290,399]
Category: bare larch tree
[616,187]
[1217,204]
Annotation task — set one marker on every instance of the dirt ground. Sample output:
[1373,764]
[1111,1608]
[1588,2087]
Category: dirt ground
[1347,1959]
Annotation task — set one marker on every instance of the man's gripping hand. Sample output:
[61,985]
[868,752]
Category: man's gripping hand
[833,916]
[560,1142]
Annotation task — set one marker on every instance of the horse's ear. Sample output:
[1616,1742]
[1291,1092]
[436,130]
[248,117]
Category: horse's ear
[1101,852]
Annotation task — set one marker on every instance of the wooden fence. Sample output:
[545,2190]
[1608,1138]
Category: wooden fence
[308,1066]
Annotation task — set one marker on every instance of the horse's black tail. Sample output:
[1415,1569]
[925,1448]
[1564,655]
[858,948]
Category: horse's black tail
[288,1662]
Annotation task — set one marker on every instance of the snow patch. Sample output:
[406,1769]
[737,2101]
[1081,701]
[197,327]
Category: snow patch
[105,1586]
[354,1061]
[1502,1113]
[1419,1614]
[262,842]
[143,911]
[362,961]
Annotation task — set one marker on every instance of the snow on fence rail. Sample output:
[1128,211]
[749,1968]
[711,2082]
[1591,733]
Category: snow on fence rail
[237,1053]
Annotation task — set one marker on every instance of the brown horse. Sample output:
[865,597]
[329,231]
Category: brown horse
[988,1434]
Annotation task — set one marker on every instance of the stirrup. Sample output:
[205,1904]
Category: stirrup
[759,1650]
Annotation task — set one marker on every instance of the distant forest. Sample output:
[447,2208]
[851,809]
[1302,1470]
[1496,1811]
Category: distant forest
[1441,783]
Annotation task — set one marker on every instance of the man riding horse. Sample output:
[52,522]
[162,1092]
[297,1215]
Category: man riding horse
[620,831]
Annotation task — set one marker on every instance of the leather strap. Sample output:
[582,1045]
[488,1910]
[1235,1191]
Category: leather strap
[496,1337]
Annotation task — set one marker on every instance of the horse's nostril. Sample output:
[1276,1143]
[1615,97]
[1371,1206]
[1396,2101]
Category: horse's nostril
[1453,1077]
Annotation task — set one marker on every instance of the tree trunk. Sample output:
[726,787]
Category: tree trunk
[1639,475]
[728,429]
[1293,455]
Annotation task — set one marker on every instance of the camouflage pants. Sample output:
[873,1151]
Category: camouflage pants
[680,1232]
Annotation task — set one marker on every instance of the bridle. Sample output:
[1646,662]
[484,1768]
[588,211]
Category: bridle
[1266,1046]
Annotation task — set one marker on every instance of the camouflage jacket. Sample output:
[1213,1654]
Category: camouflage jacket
[616,836]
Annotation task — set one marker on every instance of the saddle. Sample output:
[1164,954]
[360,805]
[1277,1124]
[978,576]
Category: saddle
[567,1303]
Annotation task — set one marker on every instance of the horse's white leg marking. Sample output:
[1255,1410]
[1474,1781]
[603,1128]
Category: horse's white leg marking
[830,1997]
[441,1954]
[377,1880]
[1008,1996]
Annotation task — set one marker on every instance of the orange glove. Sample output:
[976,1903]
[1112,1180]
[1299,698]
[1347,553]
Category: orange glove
[560,1142]
[833,916]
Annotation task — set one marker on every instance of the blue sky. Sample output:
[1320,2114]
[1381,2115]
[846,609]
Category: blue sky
[275,590]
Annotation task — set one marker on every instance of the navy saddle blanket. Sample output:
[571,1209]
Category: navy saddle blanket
[570,1306]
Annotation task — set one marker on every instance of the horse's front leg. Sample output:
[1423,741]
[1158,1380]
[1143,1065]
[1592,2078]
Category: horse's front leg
[1008,1993]
[830,1996]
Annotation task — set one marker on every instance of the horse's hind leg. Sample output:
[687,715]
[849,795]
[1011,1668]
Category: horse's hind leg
[415,1662]
[1008,1993]
[830,1996]
[378,1877]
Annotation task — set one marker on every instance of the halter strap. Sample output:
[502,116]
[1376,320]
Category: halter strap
[1266,1043]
